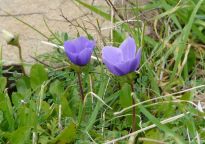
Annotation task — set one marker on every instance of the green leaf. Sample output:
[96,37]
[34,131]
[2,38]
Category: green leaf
[66,110]
[19,136]
[16,98]
[23,85]
[45,111]
[3,83]
[164,128]
[191,60]
[97,107]
[1,116]
[6,108]
[56,89]
[153,79]
[181,41]
[153,134]
[37,76]
[167,7]
[68,135]
[200,35]
[94,9]
[125,96]
[187,96]
[190,124]
[26,117]
[117,37]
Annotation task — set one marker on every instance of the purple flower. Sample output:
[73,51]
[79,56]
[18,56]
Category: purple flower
[123,60]
[79,50]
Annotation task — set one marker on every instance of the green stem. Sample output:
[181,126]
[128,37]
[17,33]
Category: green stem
[21,58]
[81,115]
[133,109]
[82,97]
[81,86]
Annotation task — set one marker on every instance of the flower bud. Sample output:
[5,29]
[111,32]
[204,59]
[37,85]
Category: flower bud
[79,50]
[10,38]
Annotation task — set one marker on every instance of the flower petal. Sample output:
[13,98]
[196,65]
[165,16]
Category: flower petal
[79,50]
[128,48]
[84,57]
[90,44]
[112,55]
[130,65]
[112,68]
[136,61]
[78,44]
[124,68]
[72,57]
[69,47]
[81,58]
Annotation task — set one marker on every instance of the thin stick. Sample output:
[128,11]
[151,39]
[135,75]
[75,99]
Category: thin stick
[114,8]
[151,140]
[34,138]
[59,117]
[41,62]
[112,23]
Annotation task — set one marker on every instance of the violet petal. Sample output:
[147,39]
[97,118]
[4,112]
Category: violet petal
[112,55]
[84,57]
[112,68]
[128,48]
[79,50]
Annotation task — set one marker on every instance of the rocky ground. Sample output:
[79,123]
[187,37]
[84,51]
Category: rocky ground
[34,13]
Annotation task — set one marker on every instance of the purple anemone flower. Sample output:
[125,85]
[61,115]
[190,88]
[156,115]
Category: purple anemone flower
[123,60]
[79,50]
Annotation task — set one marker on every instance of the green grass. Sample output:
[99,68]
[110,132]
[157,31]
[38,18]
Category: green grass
[46,108]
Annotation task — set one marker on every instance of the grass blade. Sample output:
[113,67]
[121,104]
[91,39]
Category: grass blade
[180,43]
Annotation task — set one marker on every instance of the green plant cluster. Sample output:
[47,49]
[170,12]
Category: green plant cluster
[169,89]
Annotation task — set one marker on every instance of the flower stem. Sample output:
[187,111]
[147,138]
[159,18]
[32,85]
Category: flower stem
[133,109]
[81,86]
[82,114]
[21,58]
[82,97]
